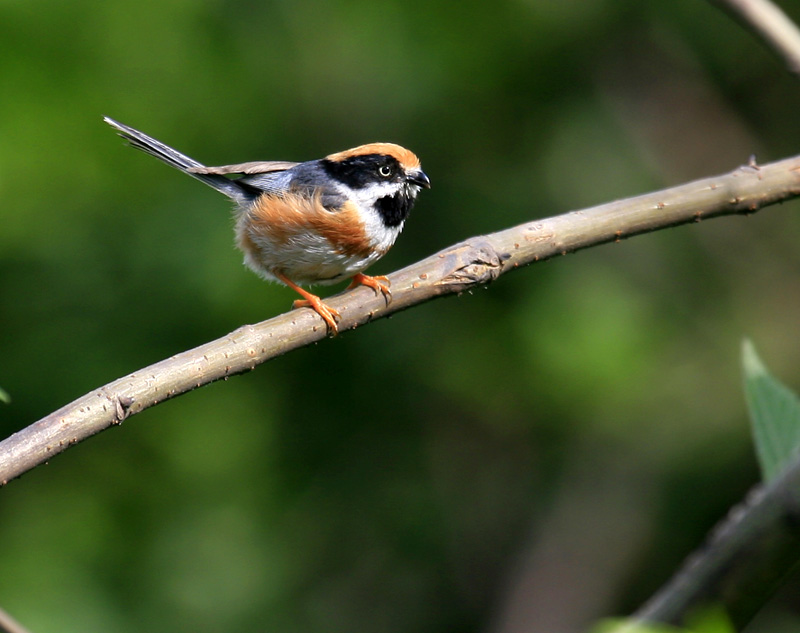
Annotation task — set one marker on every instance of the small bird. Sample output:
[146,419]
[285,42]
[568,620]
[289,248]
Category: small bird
[317,222]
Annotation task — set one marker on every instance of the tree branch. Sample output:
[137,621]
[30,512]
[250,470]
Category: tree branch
[744,560]
[476,261]
[769,23]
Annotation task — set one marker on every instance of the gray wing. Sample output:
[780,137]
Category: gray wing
[279,177]
[246,169]
[271,176]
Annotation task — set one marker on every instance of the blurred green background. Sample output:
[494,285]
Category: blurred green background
[525,458]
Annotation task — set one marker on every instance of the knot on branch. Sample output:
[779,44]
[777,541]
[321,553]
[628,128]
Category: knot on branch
[121,405]
[479,263]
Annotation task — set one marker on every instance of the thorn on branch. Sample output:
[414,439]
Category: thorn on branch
[752,166]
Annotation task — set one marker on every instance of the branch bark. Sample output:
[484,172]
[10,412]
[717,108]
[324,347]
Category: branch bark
[771,24]
[476,261]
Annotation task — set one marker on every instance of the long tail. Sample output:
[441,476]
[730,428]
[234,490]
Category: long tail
[175,159]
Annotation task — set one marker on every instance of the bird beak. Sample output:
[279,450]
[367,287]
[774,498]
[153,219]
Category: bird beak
[419,178]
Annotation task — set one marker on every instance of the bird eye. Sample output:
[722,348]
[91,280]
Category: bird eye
[385,171]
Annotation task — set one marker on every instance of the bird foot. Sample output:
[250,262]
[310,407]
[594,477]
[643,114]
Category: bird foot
[380,284]
[328,314]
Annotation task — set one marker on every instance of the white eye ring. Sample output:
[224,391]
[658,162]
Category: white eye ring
[385,171]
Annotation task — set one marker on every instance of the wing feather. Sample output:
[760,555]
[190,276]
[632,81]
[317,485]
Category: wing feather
[247,169]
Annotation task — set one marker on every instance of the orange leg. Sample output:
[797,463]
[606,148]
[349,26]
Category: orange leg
[328,314]
[378,284]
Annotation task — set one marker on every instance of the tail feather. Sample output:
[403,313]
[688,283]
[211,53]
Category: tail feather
[179,161]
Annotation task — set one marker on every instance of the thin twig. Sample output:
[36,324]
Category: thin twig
[10,625]
[771,24]
[461,267]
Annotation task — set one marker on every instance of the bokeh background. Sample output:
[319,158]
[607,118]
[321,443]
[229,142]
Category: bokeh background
[526,458]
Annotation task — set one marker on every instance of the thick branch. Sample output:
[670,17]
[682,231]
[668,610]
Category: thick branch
[476,261]
[769,23]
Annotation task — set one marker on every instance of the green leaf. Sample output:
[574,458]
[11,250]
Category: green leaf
[710,619]
[706,620]
[4,397]
[774,415]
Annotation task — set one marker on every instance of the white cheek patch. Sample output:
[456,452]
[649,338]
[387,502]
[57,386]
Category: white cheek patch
[367,196]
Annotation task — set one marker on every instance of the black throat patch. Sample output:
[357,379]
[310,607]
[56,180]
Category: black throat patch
[394,209]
